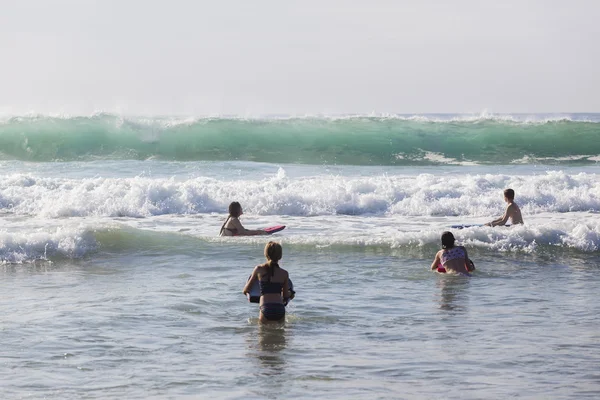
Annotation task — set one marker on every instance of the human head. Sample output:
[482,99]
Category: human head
[235,209]
[509,194]
[273,252]
[447,240]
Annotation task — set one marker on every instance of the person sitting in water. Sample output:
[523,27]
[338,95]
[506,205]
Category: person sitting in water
[274,284]
[233,226]
[452,258]
[513,212]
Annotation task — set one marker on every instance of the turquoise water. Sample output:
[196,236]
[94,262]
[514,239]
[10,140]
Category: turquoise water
[358,140]
[114,283]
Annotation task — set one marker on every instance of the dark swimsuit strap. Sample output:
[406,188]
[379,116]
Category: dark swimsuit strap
[224,223]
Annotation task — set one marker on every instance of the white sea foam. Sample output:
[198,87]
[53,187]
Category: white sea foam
[23,245]
[409,195]
[46,217]
[51,239]
[441,159]
[175,120]
[535,160]
[433,157]
[579,231]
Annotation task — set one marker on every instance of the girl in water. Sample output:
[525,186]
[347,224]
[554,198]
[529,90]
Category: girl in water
[233,226]
[274,284]
[452,258]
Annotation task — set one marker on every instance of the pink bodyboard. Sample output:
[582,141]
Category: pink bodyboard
[273,229]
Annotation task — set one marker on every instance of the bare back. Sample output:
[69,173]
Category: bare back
[280,275]
[513,212]
[263,273]
[232,227]
[458,264]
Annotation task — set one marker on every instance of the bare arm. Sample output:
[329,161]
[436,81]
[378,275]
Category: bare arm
[436,261]
[468,265]
[253,277]
[241,231]
[466,255]
[287,294]
[502,220]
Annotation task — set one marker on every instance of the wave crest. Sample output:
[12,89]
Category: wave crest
[345,140]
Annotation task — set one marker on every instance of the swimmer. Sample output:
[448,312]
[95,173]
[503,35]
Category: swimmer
[513,212]
[274,284]
[233,226]
[452,258]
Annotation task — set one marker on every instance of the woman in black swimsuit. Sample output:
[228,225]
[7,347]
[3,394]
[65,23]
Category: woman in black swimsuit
[233,226]
[274,284]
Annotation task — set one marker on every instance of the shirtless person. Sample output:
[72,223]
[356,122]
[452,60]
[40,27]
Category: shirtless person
[513,212]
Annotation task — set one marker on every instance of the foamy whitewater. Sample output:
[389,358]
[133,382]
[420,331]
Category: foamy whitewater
[115,283]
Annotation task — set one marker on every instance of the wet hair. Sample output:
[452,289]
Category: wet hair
[509,194]
[273,253]
[235,209]
[447,240]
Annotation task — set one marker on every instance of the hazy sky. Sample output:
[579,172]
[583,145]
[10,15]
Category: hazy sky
[295,57]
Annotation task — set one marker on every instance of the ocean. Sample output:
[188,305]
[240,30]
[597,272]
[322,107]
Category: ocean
[116,285]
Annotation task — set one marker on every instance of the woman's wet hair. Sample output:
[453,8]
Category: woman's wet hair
[273,253]
[235,209]
[447,240]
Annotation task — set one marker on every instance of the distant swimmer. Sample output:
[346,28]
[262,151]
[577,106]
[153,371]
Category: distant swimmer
[274,284]
[233,226]
[452,258]
[513,212]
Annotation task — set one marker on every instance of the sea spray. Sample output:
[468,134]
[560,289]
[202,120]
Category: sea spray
[475,195]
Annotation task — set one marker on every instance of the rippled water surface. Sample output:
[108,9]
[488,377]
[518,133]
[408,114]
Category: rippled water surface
[364,325]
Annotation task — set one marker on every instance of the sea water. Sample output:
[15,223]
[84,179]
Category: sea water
[115,284]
